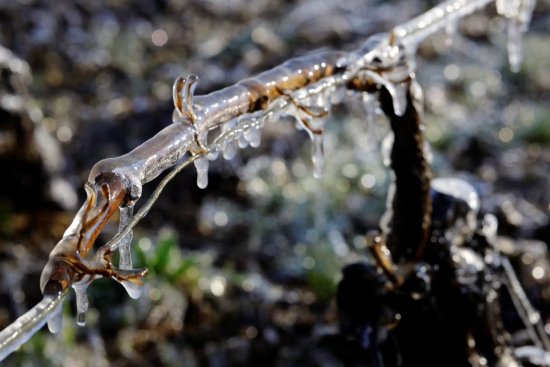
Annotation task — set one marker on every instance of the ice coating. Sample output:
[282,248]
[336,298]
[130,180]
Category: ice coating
[411,33]
[201,164]
[27,324]
[125,248]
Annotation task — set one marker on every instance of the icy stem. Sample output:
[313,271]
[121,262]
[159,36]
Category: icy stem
[201,164]
[125,246]
[81,302]
[317,157]
[54,322]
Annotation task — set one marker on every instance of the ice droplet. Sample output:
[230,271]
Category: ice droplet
[134,290]
[81,302]
[317,156]
[125,247]
[55,321]
[201,164]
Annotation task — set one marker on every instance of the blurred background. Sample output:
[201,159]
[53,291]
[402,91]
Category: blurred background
[245,271]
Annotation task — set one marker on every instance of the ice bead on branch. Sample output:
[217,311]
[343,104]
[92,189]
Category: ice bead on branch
[22,329]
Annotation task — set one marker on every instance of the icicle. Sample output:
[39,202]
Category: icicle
[336,95]
[81,302]
[228,150]
[369,106]
[255,137]
[514,45]
[387,145]
[519,13]
[201,164]
[134,290]
[55,321]
[125,246]
[242,142]
[213,155]
[317,156]
[451,30]
[398,93]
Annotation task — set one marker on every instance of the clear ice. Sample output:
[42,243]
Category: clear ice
[317,157]
[55,320]
[81,302]
[125,245]
[369,107]
[201,164]
[134,290]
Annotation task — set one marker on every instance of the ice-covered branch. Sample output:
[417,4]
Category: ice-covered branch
[25,326]
[303,87]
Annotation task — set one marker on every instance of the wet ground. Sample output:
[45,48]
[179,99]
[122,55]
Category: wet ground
[244,272]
